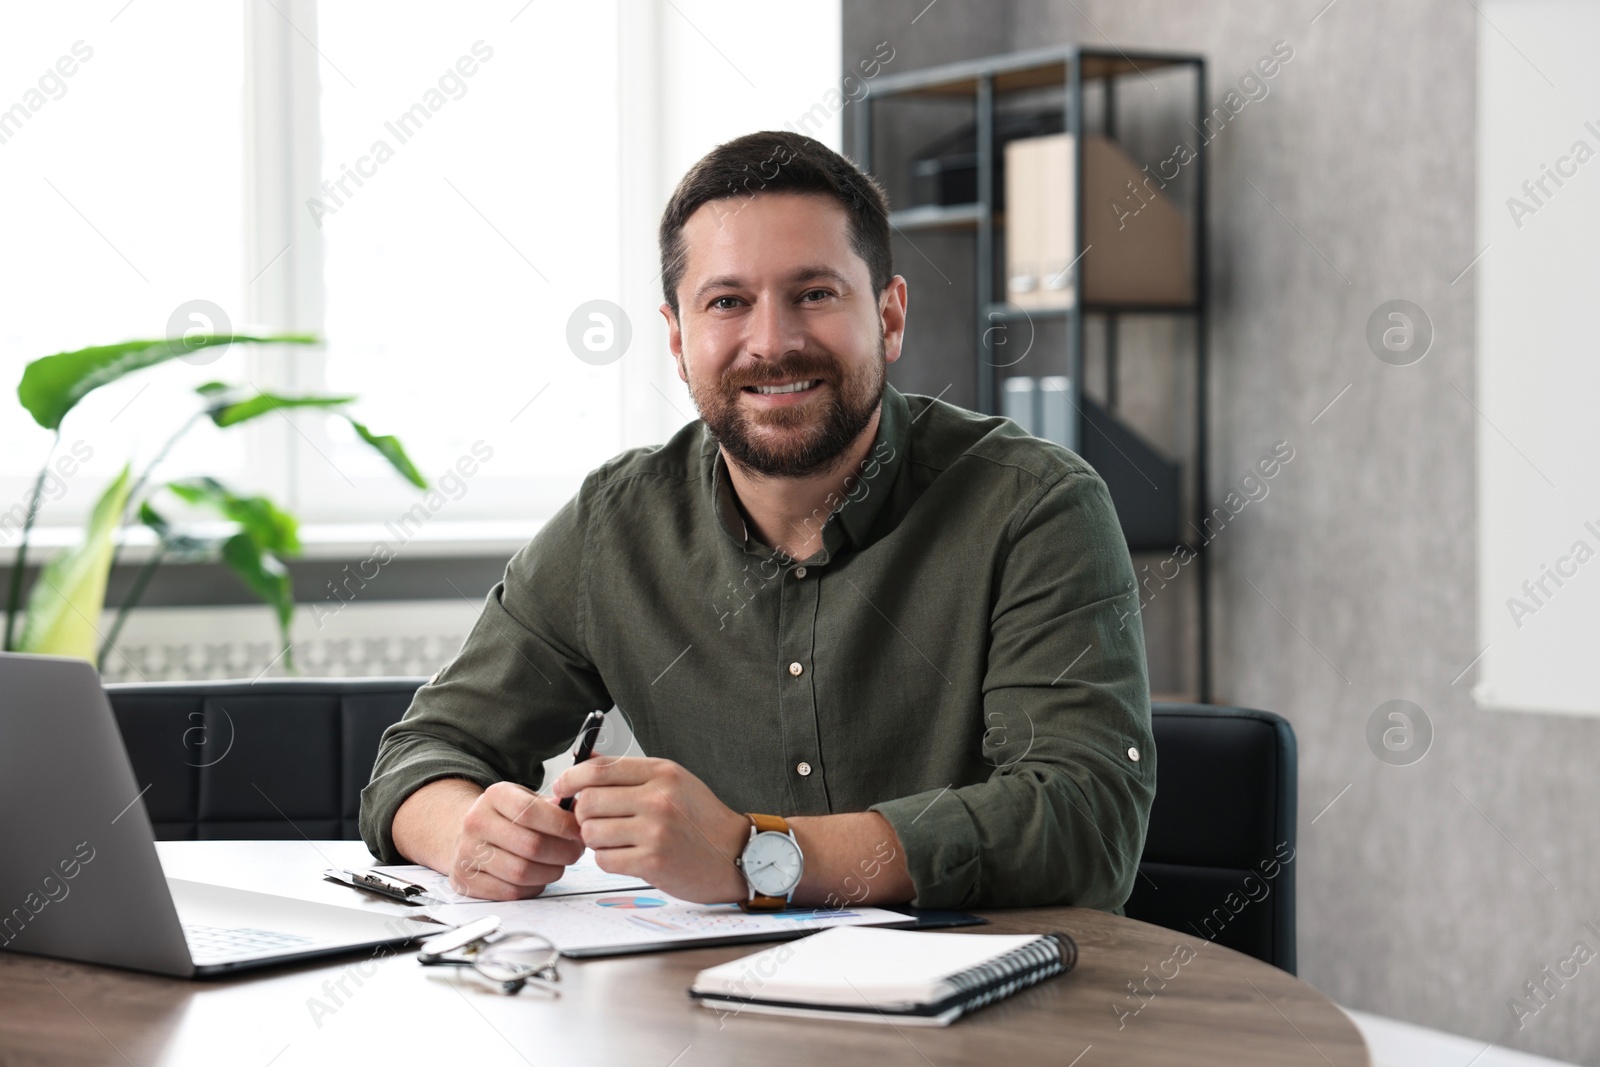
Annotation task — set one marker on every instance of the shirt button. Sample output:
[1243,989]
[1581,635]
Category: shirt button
[804,769]
[1133,754]
[799,572]
[795,669]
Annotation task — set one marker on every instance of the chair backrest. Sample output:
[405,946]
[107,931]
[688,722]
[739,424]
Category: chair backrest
[289,757]
[1219,858]
[277,758]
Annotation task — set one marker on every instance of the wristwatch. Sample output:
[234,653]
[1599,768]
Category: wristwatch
[771,863]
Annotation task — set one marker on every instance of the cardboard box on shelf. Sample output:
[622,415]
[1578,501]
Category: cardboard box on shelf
[1139,247]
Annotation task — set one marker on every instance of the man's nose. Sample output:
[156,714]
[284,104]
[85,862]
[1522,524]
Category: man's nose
[775,330]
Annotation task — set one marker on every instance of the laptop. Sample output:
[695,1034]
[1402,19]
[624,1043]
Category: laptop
[79,875]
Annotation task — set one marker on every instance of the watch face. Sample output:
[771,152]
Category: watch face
[772,863]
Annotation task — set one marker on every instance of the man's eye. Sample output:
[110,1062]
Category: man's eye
[814,295]
[725,303]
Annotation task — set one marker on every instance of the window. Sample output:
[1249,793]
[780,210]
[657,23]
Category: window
[121,162]
[487,216]
[435,189]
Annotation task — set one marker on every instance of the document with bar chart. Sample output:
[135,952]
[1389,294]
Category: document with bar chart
[613,923]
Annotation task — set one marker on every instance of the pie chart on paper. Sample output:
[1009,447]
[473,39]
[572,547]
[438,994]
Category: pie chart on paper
[631,903]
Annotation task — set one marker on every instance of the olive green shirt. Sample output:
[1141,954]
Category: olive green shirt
[963,655]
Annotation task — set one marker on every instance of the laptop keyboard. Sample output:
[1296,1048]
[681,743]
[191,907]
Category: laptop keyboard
[233,942]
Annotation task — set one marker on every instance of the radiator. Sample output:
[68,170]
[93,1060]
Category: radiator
[395,637]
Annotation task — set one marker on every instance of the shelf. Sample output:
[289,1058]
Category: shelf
[1011,311]
[937,217]
[1147,487]
[1141,309]
[1038,68]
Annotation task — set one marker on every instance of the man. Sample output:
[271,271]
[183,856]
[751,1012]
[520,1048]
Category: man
[875,645]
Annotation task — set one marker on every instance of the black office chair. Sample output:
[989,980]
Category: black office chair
[1219,858]
[286,757]
[242,760]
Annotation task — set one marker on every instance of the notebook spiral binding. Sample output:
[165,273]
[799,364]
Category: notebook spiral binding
[1053,954]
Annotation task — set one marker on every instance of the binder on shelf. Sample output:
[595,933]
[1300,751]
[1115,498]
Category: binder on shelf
[1057,419]
[1042,406]
[1144,484]
[1016,402]
[897,977]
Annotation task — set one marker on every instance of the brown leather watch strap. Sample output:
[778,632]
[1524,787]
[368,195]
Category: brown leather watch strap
[769,823]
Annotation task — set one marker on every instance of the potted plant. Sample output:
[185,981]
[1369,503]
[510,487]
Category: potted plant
[64,606]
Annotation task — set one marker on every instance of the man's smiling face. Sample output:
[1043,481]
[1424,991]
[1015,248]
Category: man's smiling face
[779,335]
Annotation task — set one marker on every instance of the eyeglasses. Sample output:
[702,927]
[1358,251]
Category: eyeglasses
[509,959]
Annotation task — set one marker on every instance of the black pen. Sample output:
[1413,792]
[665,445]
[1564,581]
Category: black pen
[587,733]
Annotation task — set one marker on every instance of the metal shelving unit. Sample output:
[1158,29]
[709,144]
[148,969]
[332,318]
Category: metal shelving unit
[983,85]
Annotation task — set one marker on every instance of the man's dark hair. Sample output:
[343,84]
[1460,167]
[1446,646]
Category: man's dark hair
[777,161]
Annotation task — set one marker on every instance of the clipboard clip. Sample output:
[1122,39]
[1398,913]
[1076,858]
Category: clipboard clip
[380,884]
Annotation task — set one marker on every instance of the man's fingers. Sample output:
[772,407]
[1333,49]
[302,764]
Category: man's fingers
[625,860]
[602,770]
[618,833]
[495,831]
[615,801]
[507,867]
[472,881]
[520,863]
[529,810]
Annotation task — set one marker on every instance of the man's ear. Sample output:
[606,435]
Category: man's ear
[675,340]
[892,317]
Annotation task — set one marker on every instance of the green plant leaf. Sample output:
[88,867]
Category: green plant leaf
[65,603]
[212,388]
[231,414]
[265,576]
[52,385]
[270,527]
[154,519]
[390,448]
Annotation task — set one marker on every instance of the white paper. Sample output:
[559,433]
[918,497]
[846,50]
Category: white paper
[641,918]
[584,876]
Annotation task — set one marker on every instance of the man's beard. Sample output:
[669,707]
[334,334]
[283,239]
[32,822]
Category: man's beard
[831,423]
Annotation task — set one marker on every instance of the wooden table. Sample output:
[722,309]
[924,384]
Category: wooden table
[1196,1005]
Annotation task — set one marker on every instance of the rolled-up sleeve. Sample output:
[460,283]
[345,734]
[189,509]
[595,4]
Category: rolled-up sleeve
[514,695]
[1066,713]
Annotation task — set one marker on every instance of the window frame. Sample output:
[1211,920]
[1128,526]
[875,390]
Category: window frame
[666,62]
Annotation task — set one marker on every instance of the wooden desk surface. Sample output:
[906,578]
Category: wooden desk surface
[1218,1007]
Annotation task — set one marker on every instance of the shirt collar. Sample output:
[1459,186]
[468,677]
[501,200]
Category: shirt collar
[863,499]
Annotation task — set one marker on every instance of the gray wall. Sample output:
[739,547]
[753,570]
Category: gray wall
[1430,892]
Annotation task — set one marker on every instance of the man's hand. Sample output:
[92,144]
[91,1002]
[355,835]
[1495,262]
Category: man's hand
[652,819]
[501,843]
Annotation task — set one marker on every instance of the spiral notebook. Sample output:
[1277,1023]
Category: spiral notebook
[890,976]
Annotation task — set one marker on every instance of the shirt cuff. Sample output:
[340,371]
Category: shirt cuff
[382,796]
[941,847]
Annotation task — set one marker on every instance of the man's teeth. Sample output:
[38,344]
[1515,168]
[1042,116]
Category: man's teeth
[796,387]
